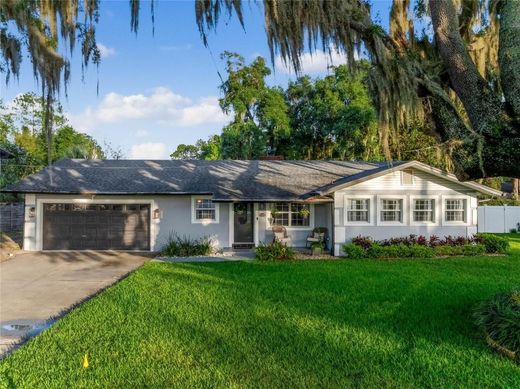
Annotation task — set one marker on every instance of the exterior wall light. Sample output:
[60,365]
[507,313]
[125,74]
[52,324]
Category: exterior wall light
[156,213]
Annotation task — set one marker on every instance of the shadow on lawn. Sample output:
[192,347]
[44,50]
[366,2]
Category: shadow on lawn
[374,313]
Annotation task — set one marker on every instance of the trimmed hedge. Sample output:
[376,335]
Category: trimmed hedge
[494,244]
[499,318]
[414,246]
[275,251]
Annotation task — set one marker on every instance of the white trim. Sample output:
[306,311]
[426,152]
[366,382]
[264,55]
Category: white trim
[436,210]
[255,224]
[371,210]
[93,200]
[231,224]
[467,221]
[412,164]
[194,220]
[404,210]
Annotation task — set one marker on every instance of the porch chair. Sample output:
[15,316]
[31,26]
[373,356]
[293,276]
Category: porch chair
[319,234]
[280,234]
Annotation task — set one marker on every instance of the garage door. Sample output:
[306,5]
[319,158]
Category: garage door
[96,227]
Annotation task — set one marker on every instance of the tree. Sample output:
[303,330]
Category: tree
[459,81]
[332,117]
[185,152]
[464,82]
[260,111]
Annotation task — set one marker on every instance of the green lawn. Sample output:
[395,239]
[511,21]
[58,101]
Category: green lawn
[404,323]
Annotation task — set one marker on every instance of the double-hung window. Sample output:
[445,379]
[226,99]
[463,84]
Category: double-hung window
[423,210]
[358,210]
[455,210]
[391,210]
[204,210]
[291,214]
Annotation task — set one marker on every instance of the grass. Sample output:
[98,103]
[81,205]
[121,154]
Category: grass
[404,323]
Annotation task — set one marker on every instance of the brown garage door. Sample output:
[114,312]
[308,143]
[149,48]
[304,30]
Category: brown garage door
[96,227]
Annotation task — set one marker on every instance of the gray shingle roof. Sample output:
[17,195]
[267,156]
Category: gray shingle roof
[225,180]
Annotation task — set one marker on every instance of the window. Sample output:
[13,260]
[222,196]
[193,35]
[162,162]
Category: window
[357,210]
[455,210]
[423,210]
[204,209]
[291,214]
[391,210]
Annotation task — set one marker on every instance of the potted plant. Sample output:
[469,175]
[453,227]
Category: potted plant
[317,248]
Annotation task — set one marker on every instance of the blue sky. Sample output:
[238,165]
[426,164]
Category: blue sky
[157,91]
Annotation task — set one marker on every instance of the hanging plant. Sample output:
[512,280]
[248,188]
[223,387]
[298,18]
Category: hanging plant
[305,212]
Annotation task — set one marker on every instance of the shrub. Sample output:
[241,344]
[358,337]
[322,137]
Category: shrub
[493,243]
[362,241]
[499,318]
[354,251]
[377,251]
[275,251]
[178,246]
[473,249]
[420,251]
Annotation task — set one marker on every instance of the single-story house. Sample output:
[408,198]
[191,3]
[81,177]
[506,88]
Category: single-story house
[138,204]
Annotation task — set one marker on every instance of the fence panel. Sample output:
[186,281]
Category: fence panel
[497,218]
[11,217]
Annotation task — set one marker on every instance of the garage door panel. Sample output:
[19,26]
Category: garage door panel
[96,227]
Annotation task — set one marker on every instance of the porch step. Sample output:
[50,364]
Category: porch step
[243,246]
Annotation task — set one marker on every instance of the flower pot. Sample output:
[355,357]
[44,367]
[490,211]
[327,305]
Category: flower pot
[317,250]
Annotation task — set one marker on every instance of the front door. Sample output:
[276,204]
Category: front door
[243,220]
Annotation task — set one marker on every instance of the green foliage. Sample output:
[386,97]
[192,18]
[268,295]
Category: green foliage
[332,117]
[494,244]
[467,250]
[22,134]
[185,152]
[242,141]
[404,325]
[351,250]
[275,251]
[499,318]
[184,246]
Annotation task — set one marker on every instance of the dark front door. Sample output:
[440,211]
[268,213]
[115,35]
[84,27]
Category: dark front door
[96,226]
[243,220]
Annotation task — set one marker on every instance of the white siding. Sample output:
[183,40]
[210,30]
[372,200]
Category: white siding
[424,185]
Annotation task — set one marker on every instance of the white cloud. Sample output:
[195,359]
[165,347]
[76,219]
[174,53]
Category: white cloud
[141,133]
[315,62]
[162,108]
[148,150]
[105,51]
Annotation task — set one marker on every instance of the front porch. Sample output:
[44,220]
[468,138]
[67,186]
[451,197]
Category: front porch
[251,223]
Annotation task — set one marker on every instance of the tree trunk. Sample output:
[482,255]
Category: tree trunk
[509,55]
[492,138]
[515,192]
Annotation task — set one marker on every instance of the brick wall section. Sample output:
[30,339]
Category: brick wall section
[11,217]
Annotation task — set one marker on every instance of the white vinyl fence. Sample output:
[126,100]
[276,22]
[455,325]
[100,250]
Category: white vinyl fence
[497,218]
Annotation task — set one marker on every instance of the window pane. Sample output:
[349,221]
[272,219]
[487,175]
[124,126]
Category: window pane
[204,209]
[455,211]
[204,204]
[423,210]
[357,216]
[205,214]
[391,210]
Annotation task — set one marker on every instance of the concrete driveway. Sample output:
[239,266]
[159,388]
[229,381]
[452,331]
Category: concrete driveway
[34,287]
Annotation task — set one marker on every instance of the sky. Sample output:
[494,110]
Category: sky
[159,90]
